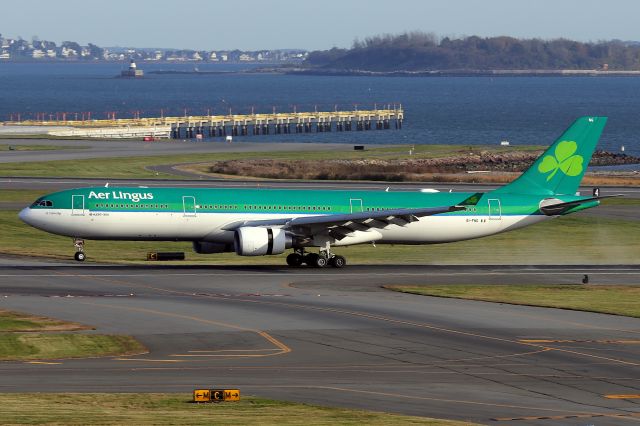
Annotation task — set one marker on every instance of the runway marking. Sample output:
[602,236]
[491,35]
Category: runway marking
[281,347]
[422,398]
[43,362]
[231,350]
[568,416]
[489,404]
[606,342]
[333,275]
[147,360]
[244,353]
[286,349]
[634,396]
[429,326]
[220,355]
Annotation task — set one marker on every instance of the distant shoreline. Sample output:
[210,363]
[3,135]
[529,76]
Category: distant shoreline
[461,73]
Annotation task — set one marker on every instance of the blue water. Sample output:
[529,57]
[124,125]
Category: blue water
[461,110]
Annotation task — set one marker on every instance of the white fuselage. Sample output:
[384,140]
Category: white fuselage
[179,226]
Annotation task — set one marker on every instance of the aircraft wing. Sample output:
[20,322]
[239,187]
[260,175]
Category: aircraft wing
[340,225]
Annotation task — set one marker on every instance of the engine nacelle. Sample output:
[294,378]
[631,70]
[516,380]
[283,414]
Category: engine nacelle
[205,247]
[256,241]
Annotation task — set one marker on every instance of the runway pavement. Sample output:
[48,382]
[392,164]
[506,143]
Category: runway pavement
[60,183]
[336,337]
[108,149]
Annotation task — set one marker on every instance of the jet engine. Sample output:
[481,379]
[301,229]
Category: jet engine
[205,247]
[257,241]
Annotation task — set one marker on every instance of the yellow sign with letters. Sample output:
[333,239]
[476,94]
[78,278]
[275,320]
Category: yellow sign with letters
[202,395]
[225,395]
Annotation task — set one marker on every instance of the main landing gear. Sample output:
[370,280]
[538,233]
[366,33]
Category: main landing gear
[79,245]
[320,260]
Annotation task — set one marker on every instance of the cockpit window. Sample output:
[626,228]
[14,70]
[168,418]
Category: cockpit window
[44,203]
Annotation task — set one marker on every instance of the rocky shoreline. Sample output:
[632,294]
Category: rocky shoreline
[397,169]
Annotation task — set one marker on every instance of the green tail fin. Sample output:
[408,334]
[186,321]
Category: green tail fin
[561,168]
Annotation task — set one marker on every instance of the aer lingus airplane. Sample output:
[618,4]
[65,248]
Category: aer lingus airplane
[256,222]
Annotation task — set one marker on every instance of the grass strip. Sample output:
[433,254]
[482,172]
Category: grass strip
[30,337]
[32,346]
[16,321]
[170,409]
[607,299]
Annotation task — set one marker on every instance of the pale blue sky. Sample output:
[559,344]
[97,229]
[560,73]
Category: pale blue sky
[263,24]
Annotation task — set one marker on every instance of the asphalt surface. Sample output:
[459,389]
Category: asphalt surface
[59,183]
[108,149]
[336,337]
[332,337]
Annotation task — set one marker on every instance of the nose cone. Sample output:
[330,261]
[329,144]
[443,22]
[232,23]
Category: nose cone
[24,216]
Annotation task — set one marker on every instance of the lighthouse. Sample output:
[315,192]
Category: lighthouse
[133,71]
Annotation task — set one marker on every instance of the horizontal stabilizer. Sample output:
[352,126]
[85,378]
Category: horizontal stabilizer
[555,209]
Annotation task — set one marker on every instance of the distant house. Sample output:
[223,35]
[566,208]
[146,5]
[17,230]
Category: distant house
[5,55]
[213,56]
[246,57]
[68,53]
[37,54]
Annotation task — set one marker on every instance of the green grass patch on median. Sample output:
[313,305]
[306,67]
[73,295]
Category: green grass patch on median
[608,299]
[31,346]
[30,337]
[16,321]
[170,409]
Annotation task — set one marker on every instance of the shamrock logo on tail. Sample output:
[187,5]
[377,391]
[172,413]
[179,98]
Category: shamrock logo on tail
[566,160]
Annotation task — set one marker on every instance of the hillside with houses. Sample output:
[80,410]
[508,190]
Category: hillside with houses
[18,49]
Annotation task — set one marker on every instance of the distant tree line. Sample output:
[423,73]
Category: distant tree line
[414,51]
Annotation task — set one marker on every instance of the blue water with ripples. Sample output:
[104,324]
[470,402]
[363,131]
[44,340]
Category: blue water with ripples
[442,110]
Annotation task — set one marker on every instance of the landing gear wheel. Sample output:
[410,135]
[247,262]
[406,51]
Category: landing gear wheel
[310,259]
[338,261]
[294,259]
[320,262]
[79,256]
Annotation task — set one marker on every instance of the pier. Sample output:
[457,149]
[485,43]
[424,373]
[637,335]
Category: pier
[223,125]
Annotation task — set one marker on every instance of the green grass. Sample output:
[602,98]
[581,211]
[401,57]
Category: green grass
[135,167]
[15,321]
[4,147]
[21,195]
[171,409]
[575,239]
[621,201]
[32,346]
[618,300]
[17,345]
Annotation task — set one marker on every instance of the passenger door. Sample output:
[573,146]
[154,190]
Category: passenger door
[189,206]
[77,205]
[495,209]
[356,205]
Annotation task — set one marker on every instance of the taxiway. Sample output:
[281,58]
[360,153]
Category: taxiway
[338,338]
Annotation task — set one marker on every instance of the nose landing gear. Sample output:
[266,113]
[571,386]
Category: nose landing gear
[79,245]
